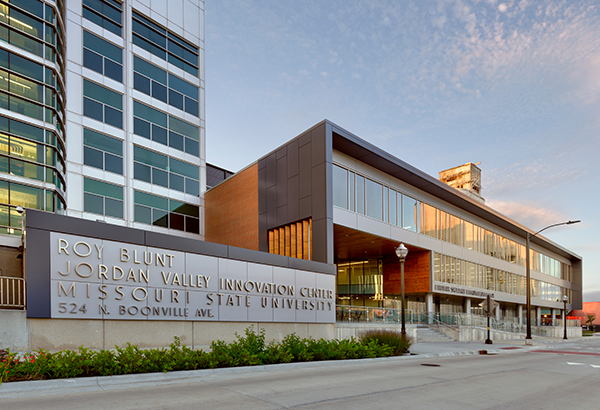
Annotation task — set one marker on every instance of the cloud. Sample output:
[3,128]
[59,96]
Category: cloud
[533,175]
[503,8]
[526,213]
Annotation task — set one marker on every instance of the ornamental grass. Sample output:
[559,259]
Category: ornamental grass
[398,343]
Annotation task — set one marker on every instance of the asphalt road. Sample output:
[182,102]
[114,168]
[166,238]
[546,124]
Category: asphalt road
[563,377]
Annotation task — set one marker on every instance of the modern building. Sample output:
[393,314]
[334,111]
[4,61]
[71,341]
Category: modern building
[102,118]
[102,111]
[329,196]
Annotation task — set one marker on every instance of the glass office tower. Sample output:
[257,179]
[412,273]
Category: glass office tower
[32,109]
[102,111]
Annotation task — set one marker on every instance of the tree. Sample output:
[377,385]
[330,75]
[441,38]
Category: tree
[590,320]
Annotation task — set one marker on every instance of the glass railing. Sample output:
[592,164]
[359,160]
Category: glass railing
[365,314]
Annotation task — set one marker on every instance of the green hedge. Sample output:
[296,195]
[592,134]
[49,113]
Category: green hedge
[248,350]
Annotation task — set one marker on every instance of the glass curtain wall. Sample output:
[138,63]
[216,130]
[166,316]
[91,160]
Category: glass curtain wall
[360,283]
[451,270]
[367,197]
[32,142]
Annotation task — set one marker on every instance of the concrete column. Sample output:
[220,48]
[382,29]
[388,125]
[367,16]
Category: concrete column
[430,311]
[468,306]
[498,310]
[538,315]
[520,314]
[553,313]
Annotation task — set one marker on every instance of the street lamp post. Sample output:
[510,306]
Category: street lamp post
[565,300]
[528,273]
[401,252]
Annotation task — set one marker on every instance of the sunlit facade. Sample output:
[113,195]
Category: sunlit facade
[358,203]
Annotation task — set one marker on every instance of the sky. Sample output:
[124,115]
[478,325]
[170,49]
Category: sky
[514,85]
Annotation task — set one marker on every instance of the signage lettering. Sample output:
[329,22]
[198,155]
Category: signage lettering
[136,282]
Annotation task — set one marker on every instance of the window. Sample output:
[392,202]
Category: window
[24,27]
[410,213]
[155,210]
[360,194]
[105,13]
[164,86]
[340,187]
[374,199]
[102,104]
[162,170]
[24,153]
[26,196]
[102,198]
[166,129]
[164,44]
[22,88]
[102,151]
[102,57]
[428,220]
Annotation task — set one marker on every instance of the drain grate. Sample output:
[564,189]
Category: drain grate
[431,364]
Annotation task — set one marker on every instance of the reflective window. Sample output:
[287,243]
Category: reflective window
[169,172]
[340,187]
[102,151]
[155,210]
[374,199]
[103,57]
[164,86]
[410,214]
[364,196]
[102,104]
[27,17]
[25,196]
[164,44]
[105,13]
[428,220]
[22,89]
[166,129]
[102,198]
[24,153]
[360,194]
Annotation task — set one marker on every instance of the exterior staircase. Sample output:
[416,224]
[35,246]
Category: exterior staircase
[425,334]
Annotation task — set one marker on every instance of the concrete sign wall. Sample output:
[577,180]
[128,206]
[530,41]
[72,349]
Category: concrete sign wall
[101,279]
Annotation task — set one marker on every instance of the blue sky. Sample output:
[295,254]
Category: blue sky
[513,84]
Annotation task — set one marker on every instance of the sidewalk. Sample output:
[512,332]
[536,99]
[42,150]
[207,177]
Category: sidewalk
[499,346]
[417,351]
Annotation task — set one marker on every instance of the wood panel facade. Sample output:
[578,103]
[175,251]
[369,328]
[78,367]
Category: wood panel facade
[293,240]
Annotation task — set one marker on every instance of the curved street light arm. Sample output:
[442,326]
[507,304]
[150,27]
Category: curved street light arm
[552,226]
[528,276]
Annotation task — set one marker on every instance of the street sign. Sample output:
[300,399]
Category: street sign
[492,304]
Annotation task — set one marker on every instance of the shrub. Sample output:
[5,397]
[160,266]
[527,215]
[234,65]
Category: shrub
[247,350]
[391,338]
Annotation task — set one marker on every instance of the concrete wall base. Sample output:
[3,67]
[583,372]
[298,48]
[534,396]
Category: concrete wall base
[13,330]
[21,334]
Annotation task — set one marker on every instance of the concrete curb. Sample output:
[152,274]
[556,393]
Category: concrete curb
[101,383]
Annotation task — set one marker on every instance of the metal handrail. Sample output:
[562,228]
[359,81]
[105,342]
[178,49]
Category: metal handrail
[12,292]
[439,322]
